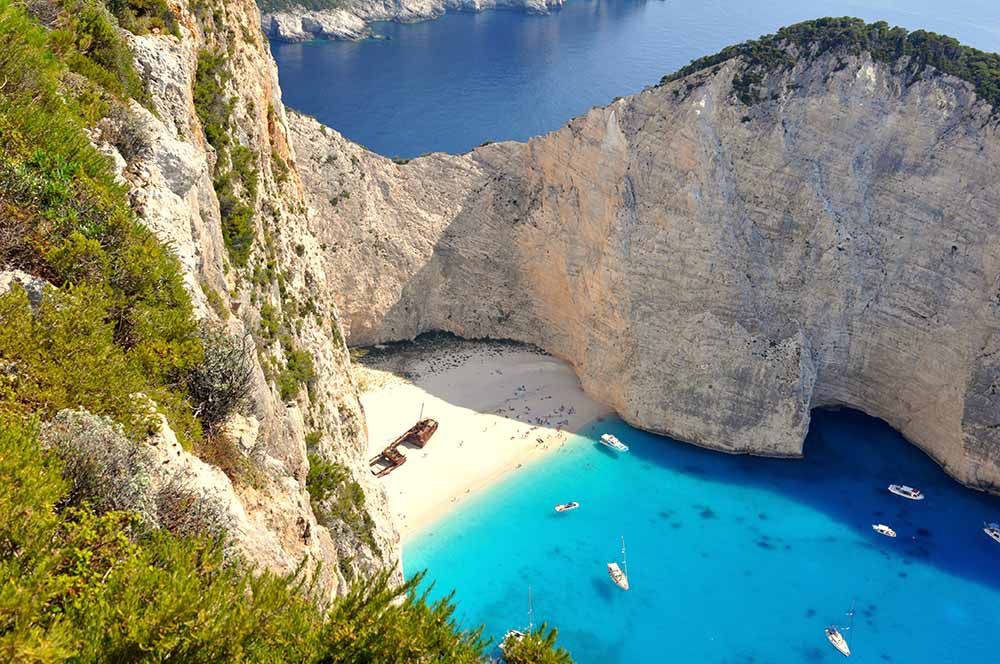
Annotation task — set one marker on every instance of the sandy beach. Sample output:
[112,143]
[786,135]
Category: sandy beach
[500,406]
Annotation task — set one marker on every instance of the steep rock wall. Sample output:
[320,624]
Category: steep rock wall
[713,271]
[171,188]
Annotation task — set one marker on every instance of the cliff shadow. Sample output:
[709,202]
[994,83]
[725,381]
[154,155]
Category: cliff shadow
[850,460]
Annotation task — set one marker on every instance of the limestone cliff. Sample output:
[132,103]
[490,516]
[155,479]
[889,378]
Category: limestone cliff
[276,291]
[716,256]
[349,20]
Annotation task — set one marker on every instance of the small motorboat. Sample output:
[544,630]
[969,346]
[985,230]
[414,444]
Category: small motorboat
[611,441]
[838,641]
[883,529]
[566,507]
[619,576]
[906,491]
[993,530]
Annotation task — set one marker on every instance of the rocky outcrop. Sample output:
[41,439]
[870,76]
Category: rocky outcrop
[713,270]
[280,299]
[350,21]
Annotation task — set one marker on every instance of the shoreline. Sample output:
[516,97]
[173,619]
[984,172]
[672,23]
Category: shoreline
[299,25]
[500,407]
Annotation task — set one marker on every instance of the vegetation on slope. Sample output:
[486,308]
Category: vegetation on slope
[278,5]
[235,175]
[78,585]
[811,39]
[120,310]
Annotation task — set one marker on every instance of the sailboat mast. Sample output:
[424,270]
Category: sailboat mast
[531,623]
[624,560]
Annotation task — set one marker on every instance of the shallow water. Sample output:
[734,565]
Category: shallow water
[453,83]
[731,559]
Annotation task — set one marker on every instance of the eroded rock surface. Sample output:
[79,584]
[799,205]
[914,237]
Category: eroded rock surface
[712,270]
[170,178]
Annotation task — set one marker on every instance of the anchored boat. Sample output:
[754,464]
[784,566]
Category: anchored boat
[837,638]
[566,507]
[883,529]
[908,492]
[611,441]
[617,574]
[514,635]
[993,530]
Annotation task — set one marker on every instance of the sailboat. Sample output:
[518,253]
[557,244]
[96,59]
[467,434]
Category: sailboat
[617,574]
[514,635]
[837,639]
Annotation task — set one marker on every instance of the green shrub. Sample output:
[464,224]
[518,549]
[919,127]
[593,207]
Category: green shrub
[537,647]
[65,356]
[853,36]
[299,370]
[277,5]
[141,16]
[101,466]
[221,384]
[337,498]
[63,217]
[235,174]
[82,587]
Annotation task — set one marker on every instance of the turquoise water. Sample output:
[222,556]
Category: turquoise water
[731,559]
[453,83]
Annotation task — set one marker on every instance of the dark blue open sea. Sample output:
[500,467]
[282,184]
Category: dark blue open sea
[732,559]
[453,83]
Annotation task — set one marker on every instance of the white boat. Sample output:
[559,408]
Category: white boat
[906,491]
[838,641]
[883,529]
[837,638]
[566,507]
[993,530]
[514,635]
[617,574]
[611,441]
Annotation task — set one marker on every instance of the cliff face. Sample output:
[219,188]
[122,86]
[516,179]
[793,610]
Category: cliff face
[712,270]
[349,20]
[280,298]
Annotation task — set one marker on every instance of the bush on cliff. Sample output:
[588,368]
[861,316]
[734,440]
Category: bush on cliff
[537,647]
[78,585]
[853,36]
[118,319]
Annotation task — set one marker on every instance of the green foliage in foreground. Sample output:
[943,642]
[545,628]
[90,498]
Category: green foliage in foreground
[538,647]
[81,586]
[853,36]
[120,318]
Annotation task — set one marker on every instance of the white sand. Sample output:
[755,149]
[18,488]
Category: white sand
[499,407]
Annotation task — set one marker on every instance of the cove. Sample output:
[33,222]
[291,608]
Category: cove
[452,83]
[731,558]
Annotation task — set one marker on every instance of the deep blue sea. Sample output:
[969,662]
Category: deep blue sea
[453,83]
[731,559]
